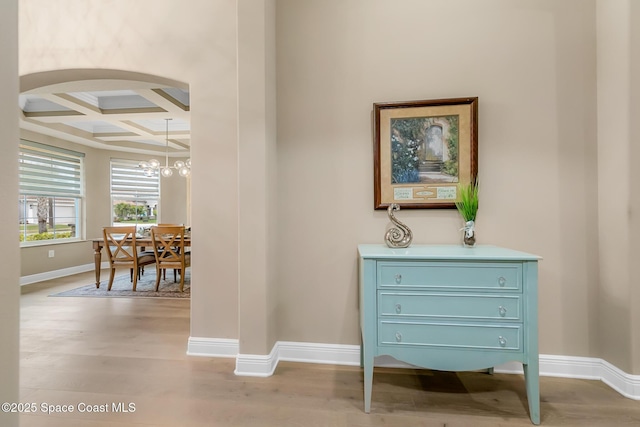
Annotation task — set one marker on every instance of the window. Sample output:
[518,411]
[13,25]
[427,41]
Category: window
[51,193]
[134,196]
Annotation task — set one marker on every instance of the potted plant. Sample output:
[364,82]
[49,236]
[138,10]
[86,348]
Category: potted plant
[467,205]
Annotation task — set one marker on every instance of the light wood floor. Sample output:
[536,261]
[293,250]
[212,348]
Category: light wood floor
[105,351]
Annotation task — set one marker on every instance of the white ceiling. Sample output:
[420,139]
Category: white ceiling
[111,114]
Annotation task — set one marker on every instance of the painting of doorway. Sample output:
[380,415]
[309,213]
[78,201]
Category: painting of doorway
[423,150]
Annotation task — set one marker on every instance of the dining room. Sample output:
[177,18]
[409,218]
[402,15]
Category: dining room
[123,130]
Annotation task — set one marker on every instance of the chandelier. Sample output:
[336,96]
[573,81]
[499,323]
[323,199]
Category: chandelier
[153,165]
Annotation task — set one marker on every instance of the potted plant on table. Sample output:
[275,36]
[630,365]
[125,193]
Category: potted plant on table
[467,205]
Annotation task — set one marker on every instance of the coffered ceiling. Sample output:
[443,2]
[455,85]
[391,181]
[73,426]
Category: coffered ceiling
[113,115]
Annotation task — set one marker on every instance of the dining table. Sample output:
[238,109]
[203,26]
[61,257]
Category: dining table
[141,242]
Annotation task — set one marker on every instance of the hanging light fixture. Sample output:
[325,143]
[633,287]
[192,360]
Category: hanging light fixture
[153,165]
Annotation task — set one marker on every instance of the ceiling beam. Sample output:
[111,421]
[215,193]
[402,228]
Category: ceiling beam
[162,99]
[71,102]
[114,117]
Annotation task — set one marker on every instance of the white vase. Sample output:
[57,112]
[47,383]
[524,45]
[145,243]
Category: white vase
[469,234]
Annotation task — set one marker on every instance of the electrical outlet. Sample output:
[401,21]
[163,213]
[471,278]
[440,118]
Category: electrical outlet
[52,253]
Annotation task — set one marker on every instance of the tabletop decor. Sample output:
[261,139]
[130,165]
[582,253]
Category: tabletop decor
[468,207]
[423,150]
[399,236]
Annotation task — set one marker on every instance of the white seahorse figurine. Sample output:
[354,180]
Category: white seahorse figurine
[401,236]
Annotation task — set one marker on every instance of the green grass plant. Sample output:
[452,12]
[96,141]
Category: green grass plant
[467,203]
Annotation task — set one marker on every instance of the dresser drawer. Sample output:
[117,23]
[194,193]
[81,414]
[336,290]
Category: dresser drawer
[437,305]
[459,335]
[450,275]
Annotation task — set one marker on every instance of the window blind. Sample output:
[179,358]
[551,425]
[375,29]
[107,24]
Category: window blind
[128,181]
[50,171]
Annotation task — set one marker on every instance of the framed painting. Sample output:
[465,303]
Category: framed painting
[422,150]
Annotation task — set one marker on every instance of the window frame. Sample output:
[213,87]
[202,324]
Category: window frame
[54,173]
[132,185]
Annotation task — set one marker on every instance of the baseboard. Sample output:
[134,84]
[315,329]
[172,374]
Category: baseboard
[625,384]
[332,354]
[336,354]
[256,365]
[592,369]
[212,347]
[55,274]
[584,368]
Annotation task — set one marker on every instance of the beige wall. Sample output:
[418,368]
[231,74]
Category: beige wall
[532,63]
[618,179]
[9,254]
[257,284]
[634,205]
[613,85]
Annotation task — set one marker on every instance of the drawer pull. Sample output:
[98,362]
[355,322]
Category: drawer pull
[502,310]
[398,278]
[502,281]
[502,340]
[398,308]
[398,337]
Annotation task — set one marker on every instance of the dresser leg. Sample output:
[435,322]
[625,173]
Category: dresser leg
[368,383]
[531,377]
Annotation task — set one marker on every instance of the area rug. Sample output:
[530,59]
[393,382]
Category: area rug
[122,285]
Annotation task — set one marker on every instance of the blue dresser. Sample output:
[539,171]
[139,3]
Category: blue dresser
[450,308]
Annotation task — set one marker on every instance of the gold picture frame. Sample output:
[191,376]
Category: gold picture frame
[423,150]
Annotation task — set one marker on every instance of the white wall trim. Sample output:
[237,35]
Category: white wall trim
[625,384]
[571,367]
[257,365]
[333,354]
[55,274]
[592,369]
[336,354]
[212,347]
[584,368]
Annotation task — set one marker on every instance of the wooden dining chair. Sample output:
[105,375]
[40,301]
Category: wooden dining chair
[168,245]
[164,272]
[123,252]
